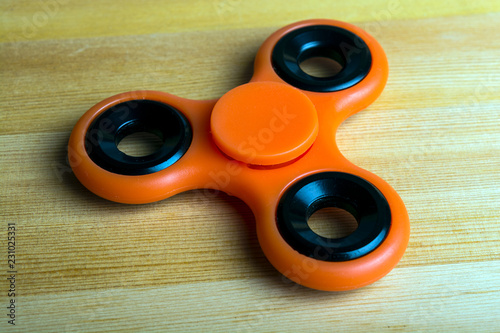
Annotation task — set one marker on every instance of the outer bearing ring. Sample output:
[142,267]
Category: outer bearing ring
[333,189]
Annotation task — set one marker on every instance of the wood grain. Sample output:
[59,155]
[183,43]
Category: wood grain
[56,19]
[192,262]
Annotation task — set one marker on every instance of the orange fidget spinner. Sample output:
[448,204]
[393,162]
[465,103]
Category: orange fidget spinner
[270,142]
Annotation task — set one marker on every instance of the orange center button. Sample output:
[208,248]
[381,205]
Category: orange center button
[264,123]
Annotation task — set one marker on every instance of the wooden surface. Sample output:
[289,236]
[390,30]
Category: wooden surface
[194,264]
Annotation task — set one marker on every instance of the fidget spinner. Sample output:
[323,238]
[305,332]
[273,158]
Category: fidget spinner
[270,142]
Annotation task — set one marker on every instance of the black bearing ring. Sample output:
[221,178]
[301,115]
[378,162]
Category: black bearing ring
[110,127]
[321,41]
[333,189]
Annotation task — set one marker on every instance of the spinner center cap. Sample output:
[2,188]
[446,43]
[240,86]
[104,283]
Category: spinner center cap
[264,123]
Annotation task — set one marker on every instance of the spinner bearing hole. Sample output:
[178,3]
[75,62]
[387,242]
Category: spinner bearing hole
[332,222]
[138,137]
[321,67]
[140,144]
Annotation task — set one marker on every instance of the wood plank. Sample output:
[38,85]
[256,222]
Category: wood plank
[107,66]
[193,263]
[24,20]
[450,300]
